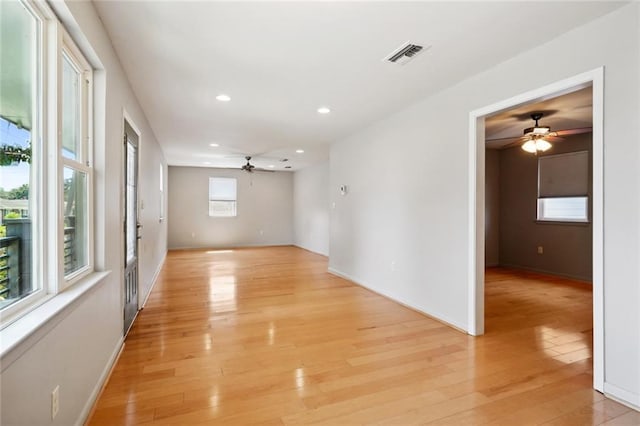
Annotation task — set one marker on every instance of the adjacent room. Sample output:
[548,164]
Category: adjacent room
[538,226]
[319,212]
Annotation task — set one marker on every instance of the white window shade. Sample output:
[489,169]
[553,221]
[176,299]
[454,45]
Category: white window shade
[222,197]
[222,189]
[564,175]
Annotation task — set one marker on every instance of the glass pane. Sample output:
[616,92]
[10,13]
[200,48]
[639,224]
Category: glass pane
[70,110]
[131,202]
[75,220]
[569,209]
[18,73]
[222,208]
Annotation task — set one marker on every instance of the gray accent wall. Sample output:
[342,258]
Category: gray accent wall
[492,208]
[567,247]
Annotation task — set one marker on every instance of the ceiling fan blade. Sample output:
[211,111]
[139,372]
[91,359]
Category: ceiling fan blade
[553,139]
[512,144]
[577,131]
[501,139]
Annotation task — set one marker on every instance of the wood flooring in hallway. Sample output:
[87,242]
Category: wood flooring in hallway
[266,336]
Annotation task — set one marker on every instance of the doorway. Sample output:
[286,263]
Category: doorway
[131,224]
[477,204]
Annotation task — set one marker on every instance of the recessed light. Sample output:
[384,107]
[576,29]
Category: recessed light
[324,110]
[215,145]
[300,151]
[223,98]
[271,166]
[207,162]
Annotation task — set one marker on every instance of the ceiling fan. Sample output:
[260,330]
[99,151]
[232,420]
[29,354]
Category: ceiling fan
[538,138]
[250,168]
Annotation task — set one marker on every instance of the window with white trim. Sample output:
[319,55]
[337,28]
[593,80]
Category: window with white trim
[222,197]
[563,187]
[45,158]
[161,192]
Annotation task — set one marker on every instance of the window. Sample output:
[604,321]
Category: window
[75,162]
[161,192]
[222,197]
[45,177]
[20,156]
[563,187]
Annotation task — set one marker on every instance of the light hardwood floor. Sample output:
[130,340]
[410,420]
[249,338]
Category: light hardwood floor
[267,336]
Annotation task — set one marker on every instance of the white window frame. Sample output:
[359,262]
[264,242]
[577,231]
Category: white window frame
[235,199]
[37,196]
[46,199]
[161,214]
[541,215]
[84,158]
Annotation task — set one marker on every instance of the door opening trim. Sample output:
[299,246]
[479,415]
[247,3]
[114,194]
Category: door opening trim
[475,326]
[129,127]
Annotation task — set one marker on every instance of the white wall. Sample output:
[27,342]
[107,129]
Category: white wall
[311,208]
[153,245]
[403,228]
[75,349]
[264,207]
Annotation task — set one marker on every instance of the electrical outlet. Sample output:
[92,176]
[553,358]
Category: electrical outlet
[540,250]
[55,402]
[193,235]
[261,232]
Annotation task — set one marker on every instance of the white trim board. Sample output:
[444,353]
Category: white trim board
[153,281]
[104,376]
[622,396]
[475,326]
[436,317]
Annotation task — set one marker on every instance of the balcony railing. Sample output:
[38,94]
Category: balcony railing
[10,267]
[70,255]
[16,255]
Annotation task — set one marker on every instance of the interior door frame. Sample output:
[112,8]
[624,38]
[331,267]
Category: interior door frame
[126,117]
[475,326]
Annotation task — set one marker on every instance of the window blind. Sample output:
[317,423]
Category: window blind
[222,189]
[563,175]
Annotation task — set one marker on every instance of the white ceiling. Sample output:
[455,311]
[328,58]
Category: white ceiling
[280,61]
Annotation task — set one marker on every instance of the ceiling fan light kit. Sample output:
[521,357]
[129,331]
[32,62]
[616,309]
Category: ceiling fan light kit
[536,145]
[535,135]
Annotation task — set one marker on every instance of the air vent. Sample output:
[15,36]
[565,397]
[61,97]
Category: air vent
[404,53]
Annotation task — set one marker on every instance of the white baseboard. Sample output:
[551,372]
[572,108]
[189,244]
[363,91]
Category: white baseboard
[438,317]
[347,277]
[95,393]
[310,251]
[622,396]
[154,280]
[546,272]
[229,247]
